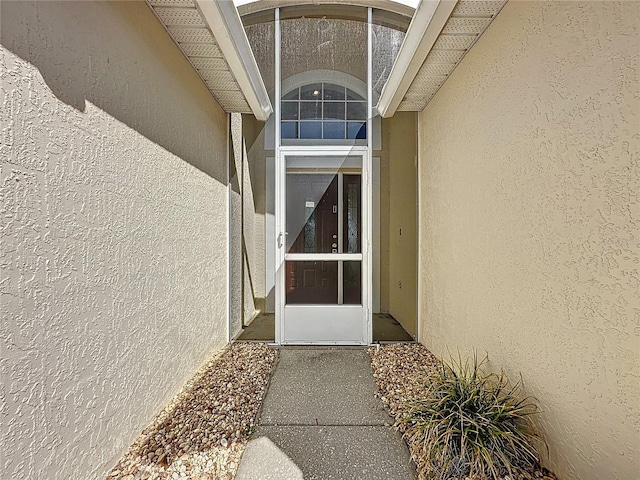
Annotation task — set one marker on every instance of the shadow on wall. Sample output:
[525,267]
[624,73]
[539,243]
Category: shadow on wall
[79,68]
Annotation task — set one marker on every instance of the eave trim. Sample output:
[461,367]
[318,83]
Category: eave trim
[223,20]
[428,21]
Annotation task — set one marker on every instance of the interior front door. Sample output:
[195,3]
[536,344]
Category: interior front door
[323,212]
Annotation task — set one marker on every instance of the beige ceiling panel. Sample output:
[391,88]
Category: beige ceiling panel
[180,17]
[201,50]
[478,8]
[233,101]
[419,95]
[231,96]
[231,107]
[214,77]
[190,27]
[171,3]
[209,63]
[222,86]
[469,19]
[414,103]
[444,56]
[431,69]
[462,25]
[454,42]
[428,80]
[191,35]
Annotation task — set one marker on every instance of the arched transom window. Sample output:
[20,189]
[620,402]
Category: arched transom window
[323,111]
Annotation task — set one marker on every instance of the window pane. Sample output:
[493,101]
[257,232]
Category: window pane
[310,110]
[311,283]
[311,92]
[357,130]
[289,110]
[311,130]
[334,111]
[312,213]
[351,95]
[334,130]
[333,92]
[352,283]
[356,111]
[352,215]
[289,129]
[292,95]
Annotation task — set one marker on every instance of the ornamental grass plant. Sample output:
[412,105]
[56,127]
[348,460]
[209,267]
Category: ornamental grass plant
[472,424]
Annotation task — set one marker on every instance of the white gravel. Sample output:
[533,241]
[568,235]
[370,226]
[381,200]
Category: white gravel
[203,431]
[400,371]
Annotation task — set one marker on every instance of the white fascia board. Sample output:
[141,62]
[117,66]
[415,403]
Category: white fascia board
[425,27]
[222,18]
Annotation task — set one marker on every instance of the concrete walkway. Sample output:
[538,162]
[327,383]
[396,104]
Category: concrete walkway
[321,421]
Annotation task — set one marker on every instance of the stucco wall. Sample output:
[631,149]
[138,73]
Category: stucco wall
[255,207]
[240,308]
[403,219]
[398,211]
[113,203]
[530,221]
[248,219]
[384,212]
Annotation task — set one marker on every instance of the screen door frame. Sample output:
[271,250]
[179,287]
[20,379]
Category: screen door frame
[317,324]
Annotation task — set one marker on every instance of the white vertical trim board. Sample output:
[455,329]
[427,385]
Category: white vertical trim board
[418,241]
[369,214]
[279,192]
[228,255]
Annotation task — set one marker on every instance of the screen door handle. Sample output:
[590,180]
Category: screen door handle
[280,240]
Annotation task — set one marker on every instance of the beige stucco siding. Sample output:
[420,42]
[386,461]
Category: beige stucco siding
[113,201]
[248,243]
[530,221]
[398,215]
[403,220]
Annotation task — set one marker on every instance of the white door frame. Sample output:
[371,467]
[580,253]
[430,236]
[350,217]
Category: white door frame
[366,257]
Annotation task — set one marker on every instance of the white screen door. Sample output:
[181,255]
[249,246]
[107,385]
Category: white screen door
[323,225]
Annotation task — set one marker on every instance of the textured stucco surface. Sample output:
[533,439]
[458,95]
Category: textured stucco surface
[254,203]
[530,221]
[248,255]
[402,228]
[236,257]
[398,210]
[113,204]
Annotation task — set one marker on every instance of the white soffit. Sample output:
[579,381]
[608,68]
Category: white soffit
[224,61]
[448,41]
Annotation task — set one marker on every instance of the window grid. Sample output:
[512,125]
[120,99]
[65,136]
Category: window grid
[339,113]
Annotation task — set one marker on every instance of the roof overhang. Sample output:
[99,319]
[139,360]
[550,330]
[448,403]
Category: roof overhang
[428,21]
[211,36]
[440,34]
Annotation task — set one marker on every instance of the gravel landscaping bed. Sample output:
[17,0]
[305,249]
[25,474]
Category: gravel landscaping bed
[203,431]
[400,371]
